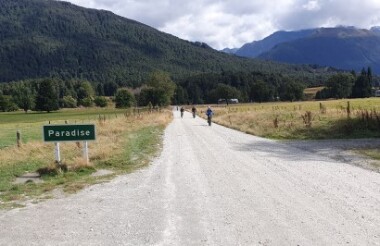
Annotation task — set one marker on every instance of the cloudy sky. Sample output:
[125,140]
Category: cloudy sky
[231,23]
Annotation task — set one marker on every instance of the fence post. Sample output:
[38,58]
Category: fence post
[348,109]
[18,135]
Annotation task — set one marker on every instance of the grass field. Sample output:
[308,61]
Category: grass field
[354,118]
[310,93]
[125,140]
[30,124]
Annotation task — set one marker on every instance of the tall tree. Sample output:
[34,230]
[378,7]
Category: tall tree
[23,96]
[47,96]
[84,90]
[291,90]
[110,89]
[180,96]
[369,75]
[7,104]
[227,92]
[340,85]
[160,89]
[100,89]
[85,93]
[261,91]
[363,87]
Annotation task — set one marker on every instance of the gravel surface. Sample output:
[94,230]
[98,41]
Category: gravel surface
[344,150]
[213,186]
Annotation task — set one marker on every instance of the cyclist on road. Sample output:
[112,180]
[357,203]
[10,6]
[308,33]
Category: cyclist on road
[209,114]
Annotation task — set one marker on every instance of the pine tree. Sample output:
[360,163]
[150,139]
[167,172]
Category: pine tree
[47,96]
[362,87]
[160,89]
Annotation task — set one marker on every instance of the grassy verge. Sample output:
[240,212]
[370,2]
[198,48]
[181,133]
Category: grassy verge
[136,152]
[124,143]
[373,153]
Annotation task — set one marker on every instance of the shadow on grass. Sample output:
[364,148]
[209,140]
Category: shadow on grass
[345,132]
[341,129]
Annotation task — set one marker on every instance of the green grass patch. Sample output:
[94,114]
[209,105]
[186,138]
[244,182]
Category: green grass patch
[138,148]
[373,153]
[30,124]
[29,132]
[9,172]
[9,191]
[78,115]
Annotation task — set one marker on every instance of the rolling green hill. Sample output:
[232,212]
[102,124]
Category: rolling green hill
[45,38]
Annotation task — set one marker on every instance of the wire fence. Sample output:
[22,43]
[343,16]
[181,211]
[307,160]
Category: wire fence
[28,131]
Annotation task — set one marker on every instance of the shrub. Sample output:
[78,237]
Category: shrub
[124,98]
[86,102]
[101,102]
[68,102]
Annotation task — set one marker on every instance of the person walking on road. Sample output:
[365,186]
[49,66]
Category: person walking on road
[182,111]
[194,111]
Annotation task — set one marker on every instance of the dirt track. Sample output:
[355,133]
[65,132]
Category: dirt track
[213,186]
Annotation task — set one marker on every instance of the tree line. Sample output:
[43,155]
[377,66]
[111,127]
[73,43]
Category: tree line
[245,86]
[159,89]
[348,85]
[51,94]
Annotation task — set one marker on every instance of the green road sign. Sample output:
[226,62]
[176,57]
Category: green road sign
[59,133]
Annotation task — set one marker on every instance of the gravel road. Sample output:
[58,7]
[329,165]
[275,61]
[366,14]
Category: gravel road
[213,186]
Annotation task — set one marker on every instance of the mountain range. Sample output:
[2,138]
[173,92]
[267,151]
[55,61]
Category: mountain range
[47,38]
[347,48]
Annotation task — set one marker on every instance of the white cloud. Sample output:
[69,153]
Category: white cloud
[231,23]
[312,6]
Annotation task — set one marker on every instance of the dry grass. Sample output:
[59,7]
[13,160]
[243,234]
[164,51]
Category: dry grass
[13,154]
[311,92]
[303,120]
[124,143]
[110,135]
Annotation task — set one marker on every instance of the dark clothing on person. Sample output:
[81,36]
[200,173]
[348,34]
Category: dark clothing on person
[209,112]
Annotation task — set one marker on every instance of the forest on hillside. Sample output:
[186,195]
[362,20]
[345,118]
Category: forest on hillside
[54,39]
